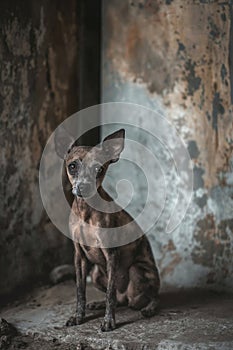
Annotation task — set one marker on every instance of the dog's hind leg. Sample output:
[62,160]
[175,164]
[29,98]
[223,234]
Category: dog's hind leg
[96,305]
[143,289]
[100,304]
[151,309]
[122,299]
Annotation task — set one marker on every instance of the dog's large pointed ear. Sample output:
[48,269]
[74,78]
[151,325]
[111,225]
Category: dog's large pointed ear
[113,145]
[63,142]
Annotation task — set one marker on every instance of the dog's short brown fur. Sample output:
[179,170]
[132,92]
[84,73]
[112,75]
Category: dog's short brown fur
[128,273]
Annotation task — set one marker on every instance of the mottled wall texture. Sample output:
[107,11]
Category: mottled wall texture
[38,89]
[177,57]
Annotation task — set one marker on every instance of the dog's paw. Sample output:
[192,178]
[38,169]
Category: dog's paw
[74,321]
[71,321]
[151,309]
[96,305]
[108,324]
[147,312]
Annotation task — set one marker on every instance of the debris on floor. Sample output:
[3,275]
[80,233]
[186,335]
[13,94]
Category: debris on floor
[7,333]
[62,273]
[186,320]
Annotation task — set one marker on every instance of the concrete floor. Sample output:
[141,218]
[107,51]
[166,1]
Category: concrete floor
[186,320]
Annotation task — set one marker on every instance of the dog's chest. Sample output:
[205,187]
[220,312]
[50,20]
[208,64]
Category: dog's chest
[94,255]
[83,232]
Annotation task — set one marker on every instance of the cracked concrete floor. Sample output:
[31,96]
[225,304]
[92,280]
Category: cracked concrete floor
[186,320]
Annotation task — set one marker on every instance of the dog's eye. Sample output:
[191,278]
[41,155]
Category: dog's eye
[98,170]
[72,168]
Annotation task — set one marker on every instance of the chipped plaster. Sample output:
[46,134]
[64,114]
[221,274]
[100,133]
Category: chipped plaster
[174,58]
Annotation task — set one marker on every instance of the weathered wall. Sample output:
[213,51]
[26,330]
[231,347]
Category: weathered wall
[174,56]
[38,89]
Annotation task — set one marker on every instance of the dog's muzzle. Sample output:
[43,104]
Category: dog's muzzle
[76,191]
[81,190]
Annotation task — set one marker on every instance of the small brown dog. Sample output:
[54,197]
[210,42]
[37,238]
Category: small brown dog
[127,273]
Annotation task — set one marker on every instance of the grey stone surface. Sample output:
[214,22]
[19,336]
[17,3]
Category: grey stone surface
[186,320]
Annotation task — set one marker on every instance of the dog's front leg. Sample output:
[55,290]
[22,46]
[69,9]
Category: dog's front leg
[109,322]
[81,275]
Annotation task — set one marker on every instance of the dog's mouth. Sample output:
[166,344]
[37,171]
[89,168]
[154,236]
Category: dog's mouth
[82,193]
[76,192]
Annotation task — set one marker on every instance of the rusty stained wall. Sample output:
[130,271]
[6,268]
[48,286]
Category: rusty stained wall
[38,55]
[173,56]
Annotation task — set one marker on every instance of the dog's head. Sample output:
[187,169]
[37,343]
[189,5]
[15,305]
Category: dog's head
[87,166]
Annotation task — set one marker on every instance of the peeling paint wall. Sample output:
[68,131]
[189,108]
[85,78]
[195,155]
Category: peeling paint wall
[173,56]
[38,89]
